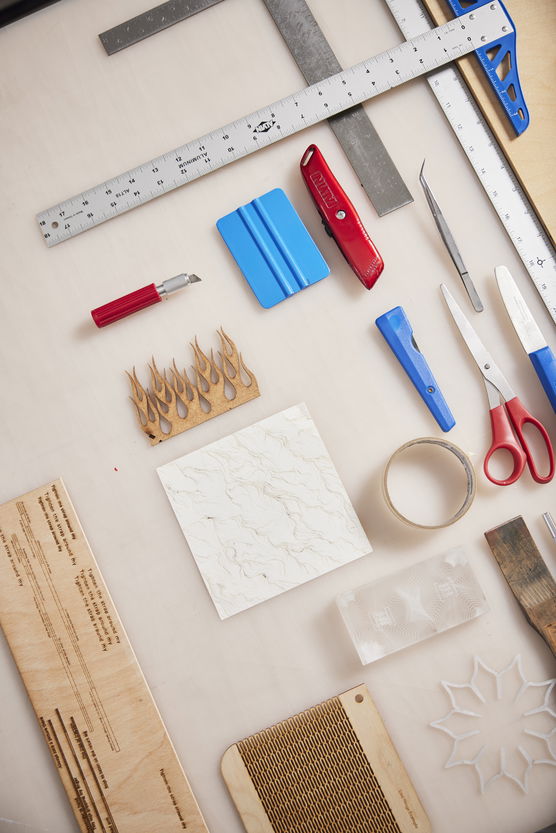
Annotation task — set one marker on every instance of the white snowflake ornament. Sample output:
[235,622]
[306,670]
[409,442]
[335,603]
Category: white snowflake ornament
[500,723]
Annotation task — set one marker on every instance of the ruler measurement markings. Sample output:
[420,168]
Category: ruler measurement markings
[353,129]
[393,67]
[488,161]
[512,207]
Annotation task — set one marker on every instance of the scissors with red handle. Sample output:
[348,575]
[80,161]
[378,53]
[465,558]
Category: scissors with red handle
[508,415]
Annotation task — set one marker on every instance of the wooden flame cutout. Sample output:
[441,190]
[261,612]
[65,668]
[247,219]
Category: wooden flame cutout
[176,402]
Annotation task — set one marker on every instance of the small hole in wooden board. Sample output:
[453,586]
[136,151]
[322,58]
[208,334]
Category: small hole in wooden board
[202,382]
[181,408]
[165,426]
[206,407]
[229,390]
[359,698]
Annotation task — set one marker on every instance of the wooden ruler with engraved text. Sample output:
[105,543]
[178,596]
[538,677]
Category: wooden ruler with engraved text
[105,734]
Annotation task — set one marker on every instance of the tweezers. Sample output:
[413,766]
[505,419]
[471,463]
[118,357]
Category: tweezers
[450,244]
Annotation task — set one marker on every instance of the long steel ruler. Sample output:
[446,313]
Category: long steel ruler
[353,129]
[313,104]
[313,55]
[510,202]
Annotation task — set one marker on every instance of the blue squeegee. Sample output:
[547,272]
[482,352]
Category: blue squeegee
[272,247]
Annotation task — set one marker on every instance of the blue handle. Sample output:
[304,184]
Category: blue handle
[507,89]
[397,331]
[544,362]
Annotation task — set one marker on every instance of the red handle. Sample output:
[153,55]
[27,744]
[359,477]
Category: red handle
[114,310]
[520,416]
[340,218]
[503,439]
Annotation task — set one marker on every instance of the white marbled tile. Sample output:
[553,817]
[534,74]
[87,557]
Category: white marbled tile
[263,510]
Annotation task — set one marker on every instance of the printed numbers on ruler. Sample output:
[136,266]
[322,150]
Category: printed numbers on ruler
[424,53]
[500,184]
[488,161]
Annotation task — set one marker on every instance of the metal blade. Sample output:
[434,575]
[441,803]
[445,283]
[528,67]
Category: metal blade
[524,324]
[149,23]
[549,521]
[450,243]
[355,132]
[484,360]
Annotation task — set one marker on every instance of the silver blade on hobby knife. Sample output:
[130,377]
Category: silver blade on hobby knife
[524,324]
[484,360]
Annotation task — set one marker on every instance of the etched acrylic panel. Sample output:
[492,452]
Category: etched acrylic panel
[411,605]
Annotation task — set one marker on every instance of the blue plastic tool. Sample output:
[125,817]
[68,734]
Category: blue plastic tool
[528,332]
[544,363]
[396,329]
[500,56]
[272,247]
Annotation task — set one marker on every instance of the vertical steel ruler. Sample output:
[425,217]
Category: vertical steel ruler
[510,202]
[425,53]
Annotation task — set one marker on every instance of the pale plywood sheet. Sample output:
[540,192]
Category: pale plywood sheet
[102,727]
[533,154]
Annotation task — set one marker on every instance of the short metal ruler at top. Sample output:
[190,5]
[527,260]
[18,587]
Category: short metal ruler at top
[372,77]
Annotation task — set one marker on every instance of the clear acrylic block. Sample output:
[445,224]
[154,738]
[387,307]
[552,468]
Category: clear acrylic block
[412,605]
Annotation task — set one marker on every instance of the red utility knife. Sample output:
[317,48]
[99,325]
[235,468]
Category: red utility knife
[340,218]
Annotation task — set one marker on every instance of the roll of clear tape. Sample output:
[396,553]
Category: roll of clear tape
[471,481]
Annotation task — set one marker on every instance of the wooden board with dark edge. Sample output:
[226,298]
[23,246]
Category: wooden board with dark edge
[532,156]
[104,732]
[527,575]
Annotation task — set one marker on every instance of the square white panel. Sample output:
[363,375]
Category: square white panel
[263,510]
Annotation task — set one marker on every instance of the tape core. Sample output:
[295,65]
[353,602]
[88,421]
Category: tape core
[471,481]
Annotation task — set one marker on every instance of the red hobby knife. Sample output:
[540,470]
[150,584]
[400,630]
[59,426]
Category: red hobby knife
[340,218]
